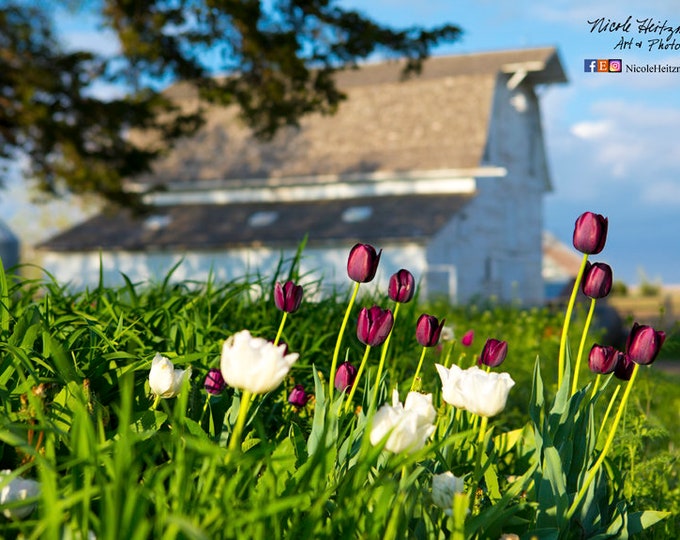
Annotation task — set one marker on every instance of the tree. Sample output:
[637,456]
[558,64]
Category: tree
[274,60]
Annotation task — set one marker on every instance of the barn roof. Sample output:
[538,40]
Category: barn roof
[211,226]
[436,120]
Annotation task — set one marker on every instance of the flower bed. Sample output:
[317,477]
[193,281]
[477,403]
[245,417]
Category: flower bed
[184,411]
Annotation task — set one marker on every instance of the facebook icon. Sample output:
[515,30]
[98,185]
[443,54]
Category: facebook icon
[590,66]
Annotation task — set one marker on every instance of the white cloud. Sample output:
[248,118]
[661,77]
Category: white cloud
[592,130]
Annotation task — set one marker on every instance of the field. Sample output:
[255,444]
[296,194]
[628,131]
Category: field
[112,459]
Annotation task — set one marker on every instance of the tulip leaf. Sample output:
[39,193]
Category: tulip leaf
[147,423]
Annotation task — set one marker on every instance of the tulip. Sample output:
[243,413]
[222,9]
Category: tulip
[624,368]
[164,380]
[475,390]
[288,297]
[402,286]
[345,376]
[298,397]
[254,364]
[406,426]
[590,233]
[644,343]
[428,330]
[444,488]
[18,489]
[214,382]
[362,263]
[603,359]
[597,280]
[493,353]
[467,338]
[374,325]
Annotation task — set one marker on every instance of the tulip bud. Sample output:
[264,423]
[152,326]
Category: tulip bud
[590,233]
[345,376]
[428,330]
[298,397]
[164,380]
[467,338]
[597,280]
[374,325]
[288,297]
[444,488]
[604,359]
[624,368]
[493,353]
[644,343]
[402,286]
[214,382]
[362,263]
[18,489]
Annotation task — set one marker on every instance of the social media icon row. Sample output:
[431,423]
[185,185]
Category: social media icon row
[591,65]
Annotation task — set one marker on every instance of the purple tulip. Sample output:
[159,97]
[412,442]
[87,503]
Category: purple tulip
[344,377]
[590,233]
[298,397]
[493,353]
[214,382]
[624,368]
[604,359]
[402,286]
[428,330]
[467,338]
[374,325]
[362,263]
[644,343]
[288,297]
[597,280]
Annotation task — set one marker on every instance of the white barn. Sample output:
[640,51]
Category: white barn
[445,172]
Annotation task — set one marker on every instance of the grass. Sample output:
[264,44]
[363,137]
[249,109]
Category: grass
[76,415]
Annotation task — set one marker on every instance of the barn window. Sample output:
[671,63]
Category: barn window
[262,218]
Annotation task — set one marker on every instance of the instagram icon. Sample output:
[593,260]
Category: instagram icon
[615,66]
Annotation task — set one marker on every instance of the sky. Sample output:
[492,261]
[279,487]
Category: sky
[611,138]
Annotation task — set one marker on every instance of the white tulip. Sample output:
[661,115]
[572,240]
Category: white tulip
[444,488]
[254,364]
[18,489]
[476,390]
[164,380]
[406,426]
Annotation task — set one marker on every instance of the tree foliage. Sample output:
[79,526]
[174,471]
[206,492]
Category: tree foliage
[275,61]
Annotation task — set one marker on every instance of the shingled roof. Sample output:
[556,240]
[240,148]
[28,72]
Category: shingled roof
[211,226]
[437,120]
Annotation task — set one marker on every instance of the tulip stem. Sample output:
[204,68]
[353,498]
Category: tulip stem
[567,320]
[235,440]
[156,401]
[609,409]
[480,452]
[280,331]
[596,385]
[420,364]
[358,377]
[336,352]
[383,355]
[600,460]
[577,367]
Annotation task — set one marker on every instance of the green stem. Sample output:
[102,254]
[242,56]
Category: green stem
[205,407]
[280,331]
[609,409]
[235,440]
[156,401]
[336,352]
[567,320]
[480,451]
[596,385]
[383,355]
[600,460]
[589,318]
[357,378]
[420,364]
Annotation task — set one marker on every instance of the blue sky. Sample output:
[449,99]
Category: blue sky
[612,139]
